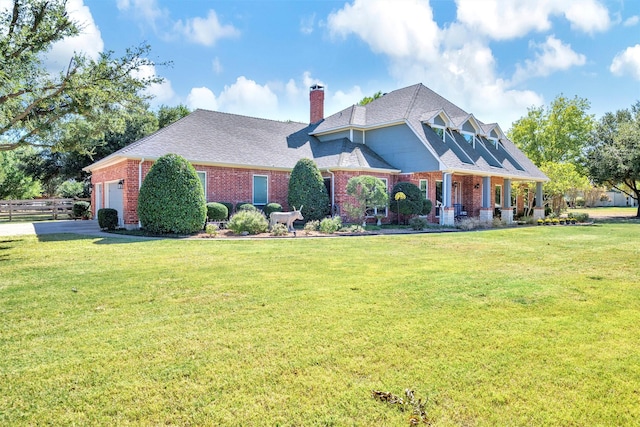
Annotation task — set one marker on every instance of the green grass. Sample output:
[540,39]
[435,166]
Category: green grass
[608,212]
[521,326]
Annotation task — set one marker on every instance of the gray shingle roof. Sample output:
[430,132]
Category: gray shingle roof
[210,137]
[415,104]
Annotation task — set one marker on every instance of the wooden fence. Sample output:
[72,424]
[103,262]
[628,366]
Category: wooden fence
[37,208]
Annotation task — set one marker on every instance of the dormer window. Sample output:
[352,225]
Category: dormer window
[439,132]
[468,137]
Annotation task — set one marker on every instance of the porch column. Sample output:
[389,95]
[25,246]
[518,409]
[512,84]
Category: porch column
[538,211]
[486,211]
[507,211]
[447,213]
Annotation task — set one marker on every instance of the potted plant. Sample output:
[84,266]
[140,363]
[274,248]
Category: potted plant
[547,221]
[540,221]
[555,221]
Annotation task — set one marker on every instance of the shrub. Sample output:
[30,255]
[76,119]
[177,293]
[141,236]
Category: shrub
[107,219]
[472,224]
[272,207]
[353,228]
[418,223]
[245,206]
[367,191]
[414,202]
[311,226]
[217,211]
[212,229]
[248,221]
[330,225]
[279,230]
[81,209]
[229,207]
[307,189]
[579,216]
[171,197]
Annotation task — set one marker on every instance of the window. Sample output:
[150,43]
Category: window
[260,187]
[468,137]
[439,132]
[438,197]
[498,196]
[203,180]
[424,187]
[378,210]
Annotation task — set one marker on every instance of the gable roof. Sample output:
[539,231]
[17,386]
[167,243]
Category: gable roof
[417,106]
[215,138]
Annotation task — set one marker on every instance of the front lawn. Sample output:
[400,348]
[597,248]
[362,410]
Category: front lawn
[517,326]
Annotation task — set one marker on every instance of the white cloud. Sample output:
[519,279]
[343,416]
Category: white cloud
[307,24]
[205,31]
[552,56]
[627,62]
[216,65]
[455,62]
[147,11]
[89,41]
[508,19]
[389,29]
[202,97]
[631,21]
[162,93]
[588,16]
[248,98]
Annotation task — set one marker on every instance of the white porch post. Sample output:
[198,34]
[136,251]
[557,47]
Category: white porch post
[507,211]
[486,211]
[447,213]
[538,211]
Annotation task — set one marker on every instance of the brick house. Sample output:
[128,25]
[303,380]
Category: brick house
[466,167]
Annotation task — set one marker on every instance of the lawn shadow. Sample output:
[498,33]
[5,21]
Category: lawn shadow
[99,240]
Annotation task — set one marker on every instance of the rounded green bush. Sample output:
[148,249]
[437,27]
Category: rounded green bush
[171,197]
[245,206]
[217,211]
[307,189]
[229,208]
[248,221]
[107,219]
[414,204]
[81,209]
[272,207]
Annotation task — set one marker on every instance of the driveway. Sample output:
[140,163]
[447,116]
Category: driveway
[52,227]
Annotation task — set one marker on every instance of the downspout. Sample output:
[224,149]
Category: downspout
[333,192]
[140,184]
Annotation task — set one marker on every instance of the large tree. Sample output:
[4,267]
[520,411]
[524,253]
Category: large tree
[34,102]
[307,190]
[614,156]
[557,134]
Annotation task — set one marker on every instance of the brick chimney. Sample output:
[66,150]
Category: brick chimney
[316,101]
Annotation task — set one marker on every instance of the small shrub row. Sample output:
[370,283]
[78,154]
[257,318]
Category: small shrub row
[330,225]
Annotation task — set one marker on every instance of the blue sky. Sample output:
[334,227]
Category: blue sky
[493,58]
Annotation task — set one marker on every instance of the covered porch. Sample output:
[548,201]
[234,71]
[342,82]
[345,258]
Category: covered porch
[459,196]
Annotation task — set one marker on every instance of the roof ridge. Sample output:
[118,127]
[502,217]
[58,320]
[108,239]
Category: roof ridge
[413,100]
[249,117]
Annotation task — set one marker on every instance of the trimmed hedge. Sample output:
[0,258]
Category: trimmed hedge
[81,209]
[245,206]
[217,211]
[307,189]
[107,219]
[171,197]
[272,207]
[415,202]
[229,208]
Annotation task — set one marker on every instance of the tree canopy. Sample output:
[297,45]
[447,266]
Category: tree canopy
[368,99]
[307,190]
[558,133]
[614,156]
[368,192]
[34,103]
